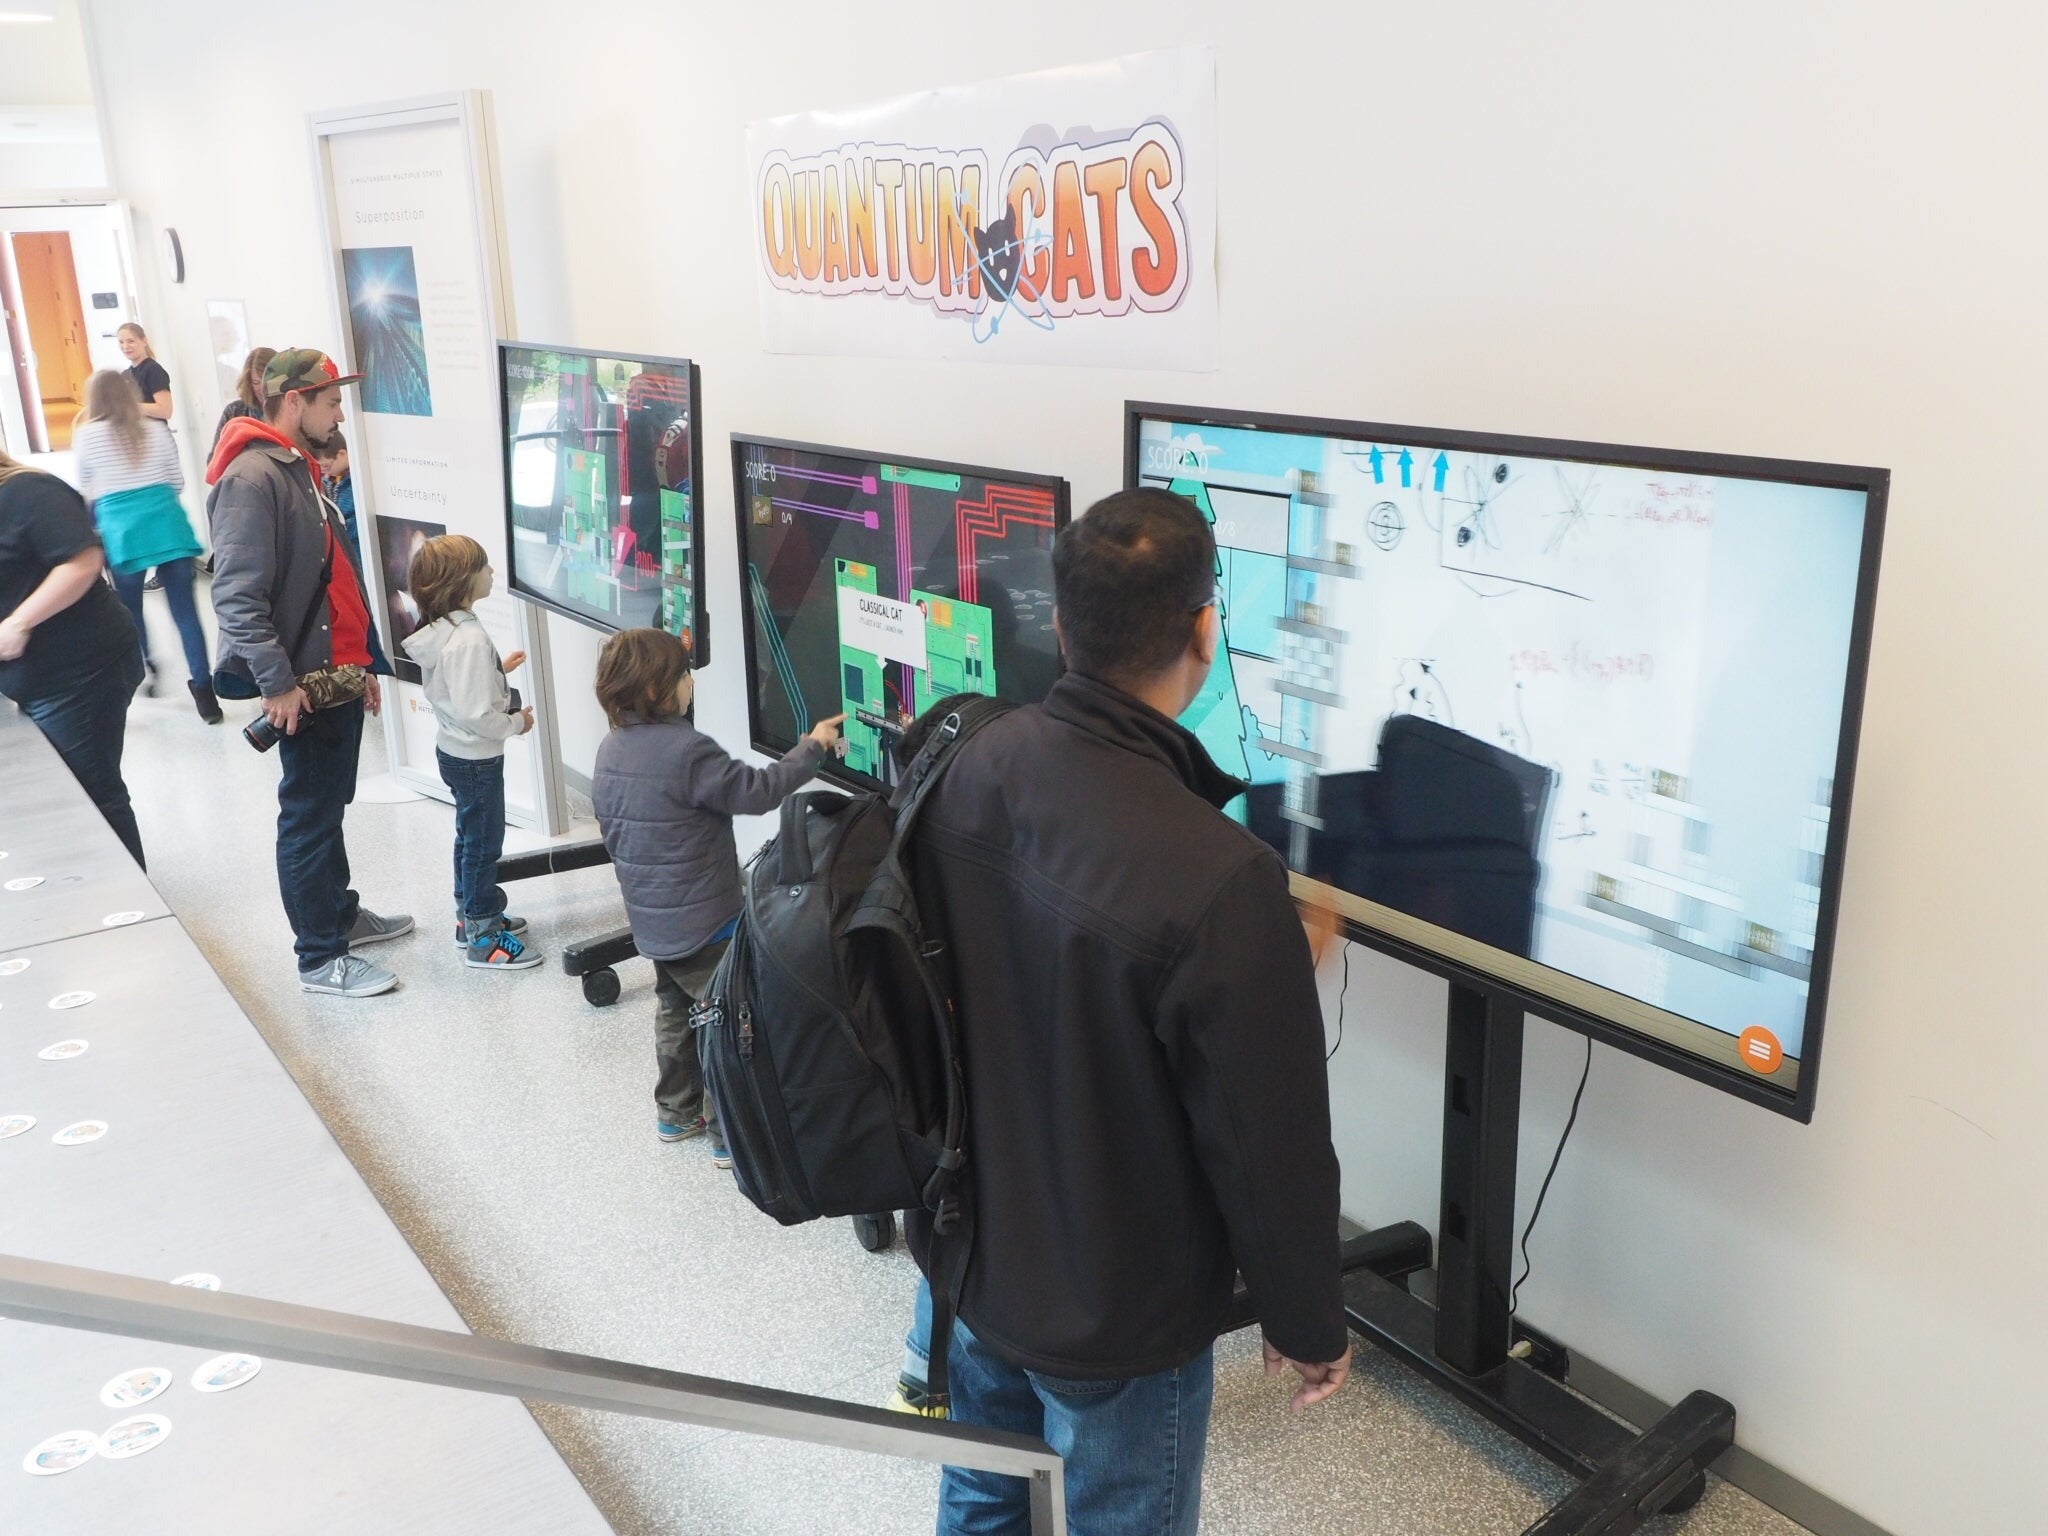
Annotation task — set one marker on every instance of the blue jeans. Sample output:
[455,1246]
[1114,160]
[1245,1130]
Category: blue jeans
[1133,1448]
[319,781]
[177,579]
[917,1344]
[88,725]
[479,786]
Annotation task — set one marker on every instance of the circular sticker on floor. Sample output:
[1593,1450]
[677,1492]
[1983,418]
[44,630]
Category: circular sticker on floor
[65,1000]
[27,883]
[60,1453]
[14,1125]
[120,919]
[15,966]
[78,1134]
[63,1050]
[131,1389]
[133,1436]
[199,1280]
[224,1373]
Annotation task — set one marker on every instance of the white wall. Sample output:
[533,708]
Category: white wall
[1807,230]
[44,63]
[49,140]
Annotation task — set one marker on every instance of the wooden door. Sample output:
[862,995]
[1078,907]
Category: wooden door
[56,325]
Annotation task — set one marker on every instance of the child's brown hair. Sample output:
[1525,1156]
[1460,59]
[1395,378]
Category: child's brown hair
[442,574]
[638,672]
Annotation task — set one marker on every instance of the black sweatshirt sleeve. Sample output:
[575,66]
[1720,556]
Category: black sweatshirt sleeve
[1242,1023]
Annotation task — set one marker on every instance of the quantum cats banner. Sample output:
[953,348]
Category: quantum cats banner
[1063,217]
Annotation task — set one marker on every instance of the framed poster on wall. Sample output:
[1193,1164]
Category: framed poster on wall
[409,204]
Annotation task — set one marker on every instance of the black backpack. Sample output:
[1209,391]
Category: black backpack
[827,1033]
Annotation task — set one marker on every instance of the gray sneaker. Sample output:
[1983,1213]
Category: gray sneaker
[372,929]
[349,976]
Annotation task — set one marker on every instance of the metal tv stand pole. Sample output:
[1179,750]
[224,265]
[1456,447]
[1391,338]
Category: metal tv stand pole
[1467,1342]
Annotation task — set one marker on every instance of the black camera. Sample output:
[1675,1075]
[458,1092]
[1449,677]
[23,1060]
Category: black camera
[261,734]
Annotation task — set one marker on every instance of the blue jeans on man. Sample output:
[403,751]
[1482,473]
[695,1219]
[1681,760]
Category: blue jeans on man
[478,785]
[319,782]
[1133,1449]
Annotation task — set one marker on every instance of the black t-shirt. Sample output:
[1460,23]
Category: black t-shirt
[149,379]
[43,523]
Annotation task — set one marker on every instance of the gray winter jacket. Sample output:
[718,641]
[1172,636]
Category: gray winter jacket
[666,795]
[465,683]
[270,539]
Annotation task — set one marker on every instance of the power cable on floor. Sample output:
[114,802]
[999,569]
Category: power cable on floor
[1514,1296]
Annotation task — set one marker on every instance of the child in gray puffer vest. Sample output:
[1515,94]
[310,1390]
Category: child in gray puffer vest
[665,795]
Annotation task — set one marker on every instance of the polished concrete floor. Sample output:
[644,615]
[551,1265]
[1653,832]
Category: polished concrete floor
[508,1128]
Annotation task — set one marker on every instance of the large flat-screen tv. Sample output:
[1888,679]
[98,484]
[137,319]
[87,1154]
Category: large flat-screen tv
[603,480]
[876,585]
[1572,723]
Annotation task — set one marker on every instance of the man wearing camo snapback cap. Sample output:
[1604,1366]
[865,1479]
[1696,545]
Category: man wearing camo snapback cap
[294,621]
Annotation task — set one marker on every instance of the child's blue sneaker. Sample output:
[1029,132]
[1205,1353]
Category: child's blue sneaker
[721,1155]
[510,923]
[680,1130]
[502,950]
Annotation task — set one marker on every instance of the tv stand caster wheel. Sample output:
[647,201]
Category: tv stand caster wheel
[601,988]
[877,1234]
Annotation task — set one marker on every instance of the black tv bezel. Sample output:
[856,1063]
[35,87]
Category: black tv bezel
[1797,1103]
[835,770]
[700,649]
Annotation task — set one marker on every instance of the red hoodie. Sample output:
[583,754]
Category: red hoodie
[344,595]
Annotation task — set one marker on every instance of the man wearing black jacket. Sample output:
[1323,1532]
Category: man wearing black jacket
[1148,1114]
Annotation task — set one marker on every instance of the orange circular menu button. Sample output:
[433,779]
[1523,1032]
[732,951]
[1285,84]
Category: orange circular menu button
[1760,1050]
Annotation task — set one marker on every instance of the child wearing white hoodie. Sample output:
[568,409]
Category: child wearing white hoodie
[477,713]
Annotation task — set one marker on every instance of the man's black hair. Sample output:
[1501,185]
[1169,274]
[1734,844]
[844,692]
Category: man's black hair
[1129,581]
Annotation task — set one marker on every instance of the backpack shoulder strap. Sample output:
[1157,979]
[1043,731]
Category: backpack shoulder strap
[953,733]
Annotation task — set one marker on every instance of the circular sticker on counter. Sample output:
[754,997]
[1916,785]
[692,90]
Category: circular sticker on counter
[27,883]
[60,1453]
[65,1000]
[15,966]
[224,1373]
[133,1436]
[120,919]
[14,1125]
[199,1280]
[63,1050]
[79,1133]
[131,1389]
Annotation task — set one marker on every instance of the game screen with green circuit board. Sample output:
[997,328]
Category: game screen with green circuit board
[602,472]
[876,586]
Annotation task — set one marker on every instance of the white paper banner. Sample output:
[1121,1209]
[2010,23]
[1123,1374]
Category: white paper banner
[1062,217]
[417,308]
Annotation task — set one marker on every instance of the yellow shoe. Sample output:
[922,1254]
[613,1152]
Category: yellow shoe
[904,1400]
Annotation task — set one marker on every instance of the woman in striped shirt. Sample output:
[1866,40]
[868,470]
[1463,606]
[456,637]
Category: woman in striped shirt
[129,472]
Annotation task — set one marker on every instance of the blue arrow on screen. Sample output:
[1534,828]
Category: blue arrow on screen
[1443,467]
[1407,462]
[1379,465]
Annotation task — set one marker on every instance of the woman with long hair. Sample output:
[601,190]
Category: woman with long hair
[152,383]
[129,471]
[68,655]
[248,399]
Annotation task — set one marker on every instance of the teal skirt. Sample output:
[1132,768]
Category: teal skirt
[144,527]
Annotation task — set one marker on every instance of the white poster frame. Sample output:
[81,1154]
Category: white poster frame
[539,804]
